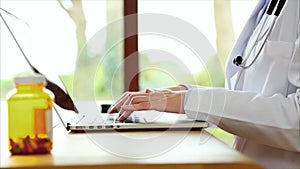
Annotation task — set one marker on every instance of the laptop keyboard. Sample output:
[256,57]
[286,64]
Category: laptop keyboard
[111,119]
[103,121]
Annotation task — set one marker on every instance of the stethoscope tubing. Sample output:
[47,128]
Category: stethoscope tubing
[256,42]
[243,61]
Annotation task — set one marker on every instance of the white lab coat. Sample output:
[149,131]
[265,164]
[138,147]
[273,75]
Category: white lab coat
[262,106]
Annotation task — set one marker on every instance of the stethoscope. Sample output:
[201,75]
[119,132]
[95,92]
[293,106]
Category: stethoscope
[241,61]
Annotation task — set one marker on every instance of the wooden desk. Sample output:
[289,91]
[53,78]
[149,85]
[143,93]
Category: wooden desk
[196,149]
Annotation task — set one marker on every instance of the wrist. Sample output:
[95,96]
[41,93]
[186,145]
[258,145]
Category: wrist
[182,87]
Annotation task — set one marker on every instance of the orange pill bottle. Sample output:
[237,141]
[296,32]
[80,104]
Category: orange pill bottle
[30,116]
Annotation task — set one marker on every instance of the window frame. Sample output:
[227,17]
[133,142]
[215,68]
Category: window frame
[131,56]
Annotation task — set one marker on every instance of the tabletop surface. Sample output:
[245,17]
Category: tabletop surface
[134,149]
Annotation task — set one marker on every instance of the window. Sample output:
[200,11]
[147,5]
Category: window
[48,35]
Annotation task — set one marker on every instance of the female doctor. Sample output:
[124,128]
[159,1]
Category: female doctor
[261,101]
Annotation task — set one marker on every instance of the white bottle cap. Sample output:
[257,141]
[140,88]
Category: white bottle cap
[31,79]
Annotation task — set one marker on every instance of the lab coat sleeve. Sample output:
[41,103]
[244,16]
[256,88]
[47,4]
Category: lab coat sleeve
[273,121]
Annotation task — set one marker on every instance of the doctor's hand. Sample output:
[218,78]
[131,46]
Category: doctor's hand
[169,100]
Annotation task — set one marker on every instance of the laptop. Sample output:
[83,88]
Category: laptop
[90,118]
[139,120]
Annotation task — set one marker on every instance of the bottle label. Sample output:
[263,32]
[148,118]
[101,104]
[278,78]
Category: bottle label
[43,122]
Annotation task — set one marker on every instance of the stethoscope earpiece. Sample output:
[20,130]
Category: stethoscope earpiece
[238,60]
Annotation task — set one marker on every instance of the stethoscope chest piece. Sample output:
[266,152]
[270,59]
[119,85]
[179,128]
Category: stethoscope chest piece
[238,60]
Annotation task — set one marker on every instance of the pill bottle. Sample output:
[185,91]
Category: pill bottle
[30,116]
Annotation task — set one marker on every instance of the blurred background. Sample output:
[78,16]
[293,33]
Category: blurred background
[54,33]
